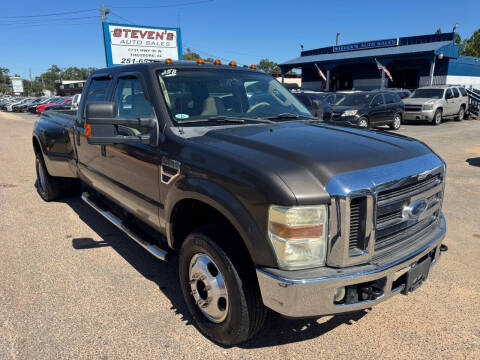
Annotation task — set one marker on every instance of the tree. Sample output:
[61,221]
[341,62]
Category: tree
[439,31]
[471,46]
[193,56]
[270,67]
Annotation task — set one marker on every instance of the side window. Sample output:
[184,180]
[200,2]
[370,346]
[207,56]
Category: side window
[390,99]
[330,99]
[97,91]
[377,100]
[463,91]
[132,104]
[455,92]
[448,94]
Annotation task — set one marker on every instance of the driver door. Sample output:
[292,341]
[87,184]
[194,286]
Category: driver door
[132,169]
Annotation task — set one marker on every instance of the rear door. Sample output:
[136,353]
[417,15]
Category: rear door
[450,103]
[89,156]
[457,98]
[132,170]
[377,109]
[391,106]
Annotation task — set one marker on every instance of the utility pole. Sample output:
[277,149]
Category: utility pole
[103,13]
[336,39]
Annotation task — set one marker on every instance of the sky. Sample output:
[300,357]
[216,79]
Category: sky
[242,30]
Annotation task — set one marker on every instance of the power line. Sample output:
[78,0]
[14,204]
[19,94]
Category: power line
[121,18]
[50,14]
[164,6]
[41,21]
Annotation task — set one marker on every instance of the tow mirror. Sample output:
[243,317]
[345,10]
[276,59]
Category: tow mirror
[317,108]
[103,127]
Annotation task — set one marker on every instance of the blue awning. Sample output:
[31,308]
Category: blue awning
[446,47]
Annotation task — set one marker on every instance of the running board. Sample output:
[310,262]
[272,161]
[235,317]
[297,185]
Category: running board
[151,248]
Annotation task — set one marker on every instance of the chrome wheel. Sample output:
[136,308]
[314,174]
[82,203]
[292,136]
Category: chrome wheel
[397,122]
[461,113]
[438,118]
[363,123]
[208,288]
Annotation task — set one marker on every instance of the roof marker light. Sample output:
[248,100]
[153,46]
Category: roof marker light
[253,66]
[168,61]
[232,63]
[217,62]
[200,61]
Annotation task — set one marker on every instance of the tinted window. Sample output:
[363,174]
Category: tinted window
[304,99]
[377,100]
[463,91]
[390,98]
[131,103]
[359,99]
[448,94]
[455,92]
[98,90]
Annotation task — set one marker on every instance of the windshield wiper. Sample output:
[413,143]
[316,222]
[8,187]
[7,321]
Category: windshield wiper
[221,118]
[289,116]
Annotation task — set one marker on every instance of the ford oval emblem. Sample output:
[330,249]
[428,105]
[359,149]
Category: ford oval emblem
[415,209]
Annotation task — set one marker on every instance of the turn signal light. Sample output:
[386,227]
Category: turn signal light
[88,130]
[232,63]
[253,66]
[217,62]
[200,61]
[168,61]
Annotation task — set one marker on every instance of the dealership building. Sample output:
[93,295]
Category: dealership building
[412,62]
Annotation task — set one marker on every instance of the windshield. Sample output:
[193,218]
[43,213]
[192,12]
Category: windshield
[355,100]
[195,94]
[428,93]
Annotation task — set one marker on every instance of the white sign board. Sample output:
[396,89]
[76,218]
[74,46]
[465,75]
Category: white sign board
[130,44]
[17,84]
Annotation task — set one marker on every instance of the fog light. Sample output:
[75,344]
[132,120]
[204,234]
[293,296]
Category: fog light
[339,294]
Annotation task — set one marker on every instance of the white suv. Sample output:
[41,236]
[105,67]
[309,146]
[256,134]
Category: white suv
[434,103]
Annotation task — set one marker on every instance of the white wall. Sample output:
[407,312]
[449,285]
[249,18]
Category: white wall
[467,81]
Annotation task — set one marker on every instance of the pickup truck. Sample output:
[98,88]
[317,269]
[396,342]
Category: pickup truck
[435,103]
[264,206]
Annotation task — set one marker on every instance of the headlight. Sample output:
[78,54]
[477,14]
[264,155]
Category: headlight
[428,107]
[298,235]
[350,113]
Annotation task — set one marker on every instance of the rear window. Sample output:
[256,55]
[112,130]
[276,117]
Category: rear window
[463,91]
[455,92]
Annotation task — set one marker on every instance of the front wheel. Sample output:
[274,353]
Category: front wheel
[219,287]
[362,122]
[397,122]
[437,118]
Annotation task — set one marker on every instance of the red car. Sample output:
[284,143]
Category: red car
[61,101]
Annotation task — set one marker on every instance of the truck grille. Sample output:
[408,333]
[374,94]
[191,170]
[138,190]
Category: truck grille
[391,226]
[413,108]
[357,225]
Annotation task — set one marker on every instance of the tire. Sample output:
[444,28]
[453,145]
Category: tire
[437,117]
[50,187]
[363,122]
[228,315]
[461,114]
[397,122]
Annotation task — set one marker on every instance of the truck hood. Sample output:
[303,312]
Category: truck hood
[306,155]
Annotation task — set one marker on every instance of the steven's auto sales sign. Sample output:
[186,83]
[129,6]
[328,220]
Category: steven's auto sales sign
[130,44]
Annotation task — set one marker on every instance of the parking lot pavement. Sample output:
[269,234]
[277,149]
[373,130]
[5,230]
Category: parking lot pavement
[73,286]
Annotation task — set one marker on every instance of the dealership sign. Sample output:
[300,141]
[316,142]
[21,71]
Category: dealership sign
[130,44]
[17,85]
[366,45]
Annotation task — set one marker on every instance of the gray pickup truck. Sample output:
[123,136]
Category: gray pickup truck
[435,103]
[265,206]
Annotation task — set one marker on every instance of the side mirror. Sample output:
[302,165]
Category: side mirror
[317,108]
[102,125]
[448,96]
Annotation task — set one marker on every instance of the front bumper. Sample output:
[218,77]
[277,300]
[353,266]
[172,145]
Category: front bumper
[311,292]
[419,115]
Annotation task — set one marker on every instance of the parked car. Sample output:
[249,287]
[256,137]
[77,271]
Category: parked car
[33,107]
[265,206]
[435,103]
[403,93]
[315,103]
[76,101]
[16,107]
[66,104]
[24,107]
[369,109]
[333,98]
[9,106]
[58,101]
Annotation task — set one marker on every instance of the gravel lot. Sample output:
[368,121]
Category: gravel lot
[73,286]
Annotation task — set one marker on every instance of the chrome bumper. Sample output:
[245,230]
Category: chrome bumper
[418,115]
[313,295]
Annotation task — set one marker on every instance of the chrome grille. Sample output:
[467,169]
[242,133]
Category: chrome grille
[391,226]
[413,108]
[355,226]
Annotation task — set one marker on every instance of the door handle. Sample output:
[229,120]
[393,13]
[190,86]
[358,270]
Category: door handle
[103,150]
